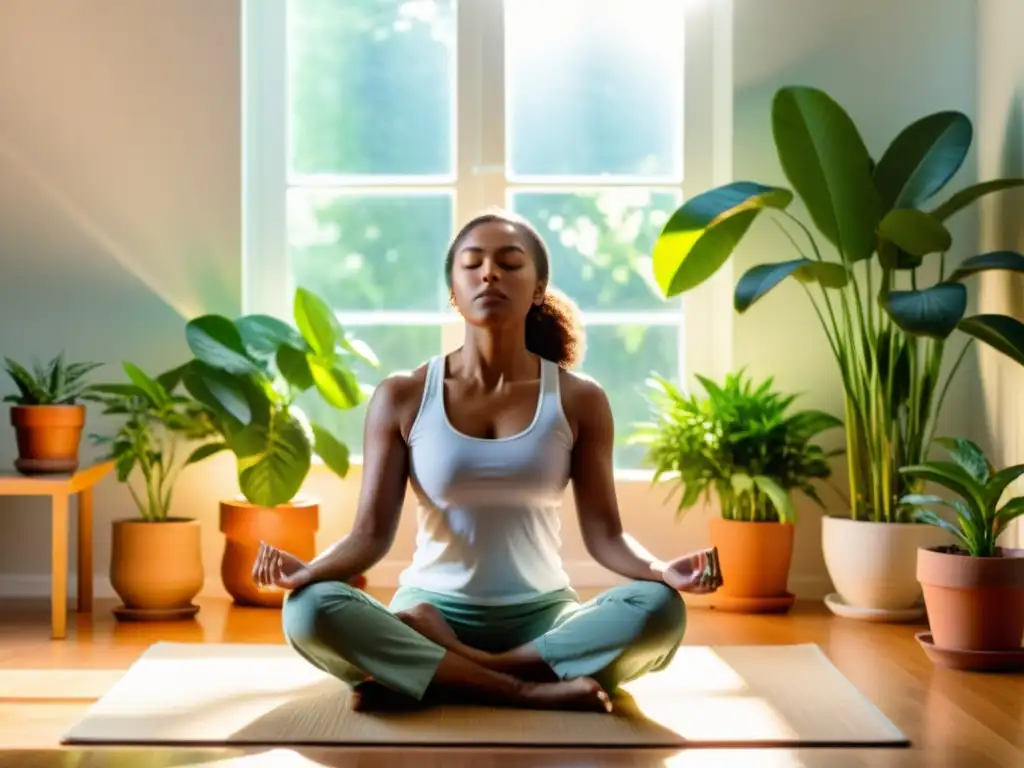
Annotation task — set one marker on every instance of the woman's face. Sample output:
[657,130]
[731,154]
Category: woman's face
[494,277]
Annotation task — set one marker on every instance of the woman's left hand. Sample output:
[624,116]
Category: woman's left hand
[691,573]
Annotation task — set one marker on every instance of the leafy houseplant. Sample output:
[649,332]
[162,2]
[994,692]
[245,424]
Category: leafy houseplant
[973,589]
[156,560]
[742,444]
[249,372]
[887,329]
[48,415]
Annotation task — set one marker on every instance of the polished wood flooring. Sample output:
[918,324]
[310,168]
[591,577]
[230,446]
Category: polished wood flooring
[953,718]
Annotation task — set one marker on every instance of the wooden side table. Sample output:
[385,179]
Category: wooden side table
[60,488]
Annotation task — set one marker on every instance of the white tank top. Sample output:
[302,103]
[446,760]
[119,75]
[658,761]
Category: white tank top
[488,521]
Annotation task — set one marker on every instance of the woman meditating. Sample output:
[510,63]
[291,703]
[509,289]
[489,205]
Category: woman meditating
[489,437]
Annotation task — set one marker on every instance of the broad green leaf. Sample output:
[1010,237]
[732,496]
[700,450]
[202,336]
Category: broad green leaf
[221,393]
[338,387]
[124,464]
[950,476]
[931,518]
[205,451]
[1009,512]
[780,499]
[828,165]
[933,312]
[1009,261]
[811,423]
[828,274]
[915,232]
[968,195]
[758,281]
[273,460]
[317,322]
[968,455]
[332,451]
[891,256]
[996,487]
[263,334]
[922,159]
[215,340]
[702,234]
[968,526]
[361,350]
[294,366]
[1002,333]
[170,380]
[155,393]
[741,482]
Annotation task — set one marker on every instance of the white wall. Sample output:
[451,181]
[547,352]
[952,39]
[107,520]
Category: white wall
[120,216]
[1001,153]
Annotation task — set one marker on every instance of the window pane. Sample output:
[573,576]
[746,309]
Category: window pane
[364,252]
[595,87]
[601,242]
[371,86]
[621,358]
[399,348]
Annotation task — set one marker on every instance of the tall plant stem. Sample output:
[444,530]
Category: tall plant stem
[937,410]
[818,257]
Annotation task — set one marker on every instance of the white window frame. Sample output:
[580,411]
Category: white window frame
[706,340]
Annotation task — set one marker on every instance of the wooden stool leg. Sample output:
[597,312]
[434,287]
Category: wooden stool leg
[85,551]
[59,565]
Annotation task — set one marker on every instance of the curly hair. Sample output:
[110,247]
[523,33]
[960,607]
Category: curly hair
[553,329]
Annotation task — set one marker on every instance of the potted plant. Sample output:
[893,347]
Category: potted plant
[156,564]
[741,443]
[48,415]
[974,588]
[249,372]
[887,331]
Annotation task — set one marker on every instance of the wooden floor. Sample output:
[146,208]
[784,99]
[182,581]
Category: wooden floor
[952,718]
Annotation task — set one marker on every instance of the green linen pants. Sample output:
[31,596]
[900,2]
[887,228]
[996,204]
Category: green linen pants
[623,633]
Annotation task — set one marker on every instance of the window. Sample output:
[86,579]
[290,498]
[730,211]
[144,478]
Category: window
[374,128]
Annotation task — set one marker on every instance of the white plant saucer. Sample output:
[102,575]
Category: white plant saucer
[839,607]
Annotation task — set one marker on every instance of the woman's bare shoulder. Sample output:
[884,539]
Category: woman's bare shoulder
[582,396]
[399,395]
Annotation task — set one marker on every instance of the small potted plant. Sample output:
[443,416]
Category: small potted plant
[48,415]
[974,588]
[156,564]
[742,444]
[249,373]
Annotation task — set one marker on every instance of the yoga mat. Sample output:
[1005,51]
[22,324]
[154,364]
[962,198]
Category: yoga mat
[202,694]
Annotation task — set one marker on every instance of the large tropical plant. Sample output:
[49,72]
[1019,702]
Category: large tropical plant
[157,421]
[887,329]
[249,373]
[980,520]
[739,442]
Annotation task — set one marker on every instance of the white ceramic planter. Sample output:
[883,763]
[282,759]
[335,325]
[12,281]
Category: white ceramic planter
[874,565]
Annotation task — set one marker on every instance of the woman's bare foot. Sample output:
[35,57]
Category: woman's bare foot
[371,696]
[580,693]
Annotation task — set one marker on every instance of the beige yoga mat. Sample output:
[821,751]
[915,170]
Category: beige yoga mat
[774,695]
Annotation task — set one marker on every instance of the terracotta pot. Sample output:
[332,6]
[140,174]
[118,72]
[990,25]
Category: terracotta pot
[157,566]
[872,565]
[48,437]
[973,603]
[290,527]
[754,558]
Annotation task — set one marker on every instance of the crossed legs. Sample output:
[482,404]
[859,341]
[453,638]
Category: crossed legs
[583,656]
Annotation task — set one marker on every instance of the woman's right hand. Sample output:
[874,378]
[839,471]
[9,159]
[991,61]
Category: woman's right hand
[275,568]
